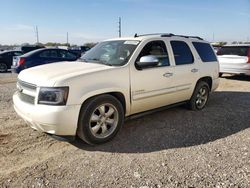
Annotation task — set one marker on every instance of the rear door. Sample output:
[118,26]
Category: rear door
[186,70]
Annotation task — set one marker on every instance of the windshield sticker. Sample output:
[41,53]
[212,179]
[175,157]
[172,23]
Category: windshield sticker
[133,42]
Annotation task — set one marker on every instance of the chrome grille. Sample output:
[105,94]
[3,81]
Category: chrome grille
[26,91]
[26,85]
[26,98]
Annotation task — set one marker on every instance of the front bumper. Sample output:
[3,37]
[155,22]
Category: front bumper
[58,120]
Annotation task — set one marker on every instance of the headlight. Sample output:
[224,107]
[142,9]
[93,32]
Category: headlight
[53,95]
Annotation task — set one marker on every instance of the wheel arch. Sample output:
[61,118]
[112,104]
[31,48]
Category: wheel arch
[119,95]
[208,80]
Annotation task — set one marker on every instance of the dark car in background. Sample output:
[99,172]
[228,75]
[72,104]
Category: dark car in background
[28,48]
[6,58]
[41,57]
[79,51]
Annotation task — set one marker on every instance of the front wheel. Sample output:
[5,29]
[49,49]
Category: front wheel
[100,119]
[200,96]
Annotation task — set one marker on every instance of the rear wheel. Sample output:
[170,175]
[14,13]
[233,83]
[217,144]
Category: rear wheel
[100,119]
[3,67]
[200,96]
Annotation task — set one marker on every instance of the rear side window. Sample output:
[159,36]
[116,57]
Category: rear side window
[205,51]
[49,54]
[45,54]
[66,55]
[182,53]
[233,50]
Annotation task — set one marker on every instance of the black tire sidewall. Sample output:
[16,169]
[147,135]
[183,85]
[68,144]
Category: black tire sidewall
[6,67]
[192,103]
[87,109]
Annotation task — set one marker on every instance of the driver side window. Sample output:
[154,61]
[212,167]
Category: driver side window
[157,49]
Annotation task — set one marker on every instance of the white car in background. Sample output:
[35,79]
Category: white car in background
[234,59]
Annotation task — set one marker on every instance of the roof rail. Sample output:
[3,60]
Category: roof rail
[136,35]
[186,36]
[168,35]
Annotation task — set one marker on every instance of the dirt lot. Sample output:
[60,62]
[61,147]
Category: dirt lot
[172,148]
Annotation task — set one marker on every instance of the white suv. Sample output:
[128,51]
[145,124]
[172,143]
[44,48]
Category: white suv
[117,78]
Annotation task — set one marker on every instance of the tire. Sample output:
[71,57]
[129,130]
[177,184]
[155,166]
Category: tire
[200,96]
[220,74]
[100,119]
[3,67]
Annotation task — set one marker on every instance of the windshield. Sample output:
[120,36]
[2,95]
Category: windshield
[113,53]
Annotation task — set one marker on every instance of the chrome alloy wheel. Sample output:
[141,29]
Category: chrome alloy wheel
[201,98]
[103,120]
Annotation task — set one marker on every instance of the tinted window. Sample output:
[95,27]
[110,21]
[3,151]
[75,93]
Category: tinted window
[53,54]
[49,54]
[158,49]
[182,53]
[66,55]
[233,50]
[205,51]
[45,54]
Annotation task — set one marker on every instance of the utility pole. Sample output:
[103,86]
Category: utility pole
[37,35]
[67,39]
[120,27]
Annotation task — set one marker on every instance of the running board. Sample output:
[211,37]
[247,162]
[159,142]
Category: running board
[141,114]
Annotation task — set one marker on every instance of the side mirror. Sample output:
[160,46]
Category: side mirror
[147,61]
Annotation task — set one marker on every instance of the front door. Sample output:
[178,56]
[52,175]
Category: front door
[152,87]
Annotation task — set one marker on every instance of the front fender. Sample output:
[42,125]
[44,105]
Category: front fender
[90,94]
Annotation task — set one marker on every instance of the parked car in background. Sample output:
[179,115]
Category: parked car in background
[6,58]
[41,57]
[234,59]
[79,51]
[116,79]
[26,49]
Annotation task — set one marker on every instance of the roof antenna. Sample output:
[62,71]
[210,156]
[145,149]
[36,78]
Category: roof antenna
[135,35]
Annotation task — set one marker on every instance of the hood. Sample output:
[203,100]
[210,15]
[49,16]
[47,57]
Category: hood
[48,75]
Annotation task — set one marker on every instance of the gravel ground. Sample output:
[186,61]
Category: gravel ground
[172,148]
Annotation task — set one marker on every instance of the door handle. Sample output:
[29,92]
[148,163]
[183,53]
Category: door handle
[168,74]
[194,70]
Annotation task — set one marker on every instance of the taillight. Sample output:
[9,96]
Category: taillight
[248,55]
[21,61]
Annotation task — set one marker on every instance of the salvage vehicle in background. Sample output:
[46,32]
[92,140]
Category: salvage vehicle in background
[234,59]
[41,57]
[6,58]
[117,79]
